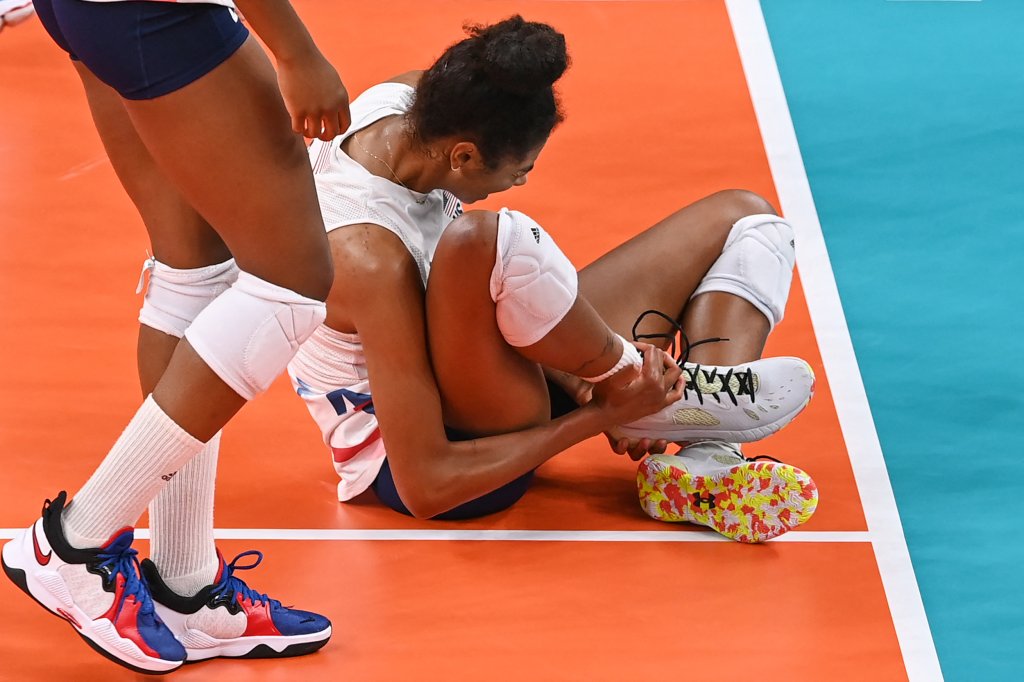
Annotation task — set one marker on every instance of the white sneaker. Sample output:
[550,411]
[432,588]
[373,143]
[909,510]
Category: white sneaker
[714,485]
[230,619]
[13,12]
[735,404]
[98,591]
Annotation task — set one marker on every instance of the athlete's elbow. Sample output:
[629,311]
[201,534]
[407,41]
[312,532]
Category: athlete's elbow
[423,503]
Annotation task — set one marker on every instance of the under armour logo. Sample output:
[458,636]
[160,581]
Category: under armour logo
[169,476]
[536,233]
[709,501]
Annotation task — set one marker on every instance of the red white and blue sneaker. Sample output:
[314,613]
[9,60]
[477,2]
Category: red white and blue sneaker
[231,620]
[99,591]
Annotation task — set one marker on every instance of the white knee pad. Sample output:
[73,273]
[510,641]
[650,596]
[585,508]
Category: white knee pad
[756,265]
[251,331]
[533,284]
[175,297]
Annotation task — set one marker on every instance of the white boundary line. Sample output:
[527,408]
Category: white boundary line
[793,187]
[335,534]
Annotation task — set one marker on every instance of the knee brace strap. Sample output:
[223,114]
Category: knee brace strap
[756,265]
[175,297]
[533,284]
[250,332]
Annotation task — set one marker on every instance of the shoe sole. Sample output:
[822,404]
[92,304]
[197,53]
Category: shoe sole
[678,433]
[98,634]
[264,647]
[749,503]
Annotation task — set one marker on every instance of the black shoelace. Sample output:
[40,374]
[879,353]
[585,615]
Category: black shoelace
[694,372]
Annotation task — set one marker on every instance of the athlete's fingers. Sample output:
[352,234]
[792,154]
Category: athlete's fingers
[639,448]
[659,447]
[329,125]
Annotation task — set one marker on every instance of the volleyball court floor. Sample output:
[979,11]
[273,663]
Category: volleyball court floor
[666,102]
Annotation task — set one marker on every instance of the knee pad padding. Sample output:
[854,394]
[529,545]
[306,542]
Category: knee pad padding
[533,284]
[756,265]
[174,297]
[250,332]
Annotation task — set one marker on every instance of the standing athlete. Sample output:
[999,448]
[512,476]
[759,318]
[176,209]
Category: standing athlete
[206,139]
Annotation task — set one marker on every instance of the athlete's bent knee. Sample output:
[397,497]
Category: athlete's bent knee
[533,284]
[175,297]
[250,332]
[742,202]
[756,264]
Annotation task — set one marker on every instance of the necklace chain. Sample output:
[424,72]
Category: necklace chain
[388,166]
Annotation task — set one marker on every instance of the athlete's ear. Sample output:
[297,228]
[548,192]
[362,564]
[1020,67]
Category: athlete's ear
[464,154]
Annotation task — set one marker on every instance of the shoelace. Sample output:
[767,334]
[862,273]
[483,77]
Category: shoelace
[693,371]
[758,458]
[126,562]
[229,584]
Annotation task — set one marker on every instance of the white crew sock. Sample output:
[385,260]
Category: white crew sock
[146,456]
[181,525]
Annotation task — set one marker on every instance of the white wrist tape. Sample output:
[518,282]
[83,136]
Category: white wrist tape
[250,332]
[756,265]
[533,284]
[175,297]
[630,358]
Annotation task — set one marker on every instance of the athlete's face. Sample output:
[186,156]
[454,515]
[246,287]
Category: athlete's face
[474,181]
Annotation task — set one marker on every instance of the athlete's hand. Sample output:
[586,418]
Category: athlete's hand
[577,389]
[315,97]
[634,393]
[636,448]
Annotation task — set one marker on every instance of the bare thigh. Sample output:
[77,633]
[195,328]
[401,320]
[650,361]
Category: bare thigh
[179,236]
[660,268]
[225,142]
[486,386]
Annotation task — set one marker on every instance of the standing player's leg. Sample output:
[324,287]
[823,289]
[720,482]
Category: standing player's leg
[722,267]
[249,333]
[190,267]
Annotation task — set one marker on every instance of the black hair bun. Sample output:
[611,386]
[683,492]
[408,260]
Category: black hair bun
[521,56]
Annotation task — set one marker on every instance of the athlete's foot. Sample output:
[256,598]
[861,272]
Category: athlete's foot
[735,404]
[712,484]
[98,591]
[229,619]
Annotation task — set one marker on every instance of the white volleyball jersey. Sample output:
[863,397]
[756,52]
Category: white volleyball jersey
[329,371]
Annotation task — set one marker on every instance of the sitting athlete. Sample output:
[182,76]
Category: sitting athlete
[428,379]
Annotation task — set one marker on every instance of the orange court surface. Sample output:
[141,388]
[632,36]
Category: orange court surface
[573,583]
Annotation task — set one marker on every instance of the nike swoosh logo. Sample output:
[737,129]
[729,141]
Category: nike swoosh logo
[43,559]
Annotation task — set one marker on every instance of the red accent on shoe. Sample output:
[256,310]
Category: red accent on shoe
[69,618]
[124,615]
[43,559]
[258,620]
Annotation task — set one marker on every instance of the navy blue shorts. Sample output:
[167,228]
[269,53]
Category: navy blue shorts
[144,49]
[491,503]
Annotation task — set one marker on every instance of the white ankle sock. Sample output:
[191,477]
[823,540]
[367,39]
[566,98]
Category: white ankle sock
[146,456]
[181,525]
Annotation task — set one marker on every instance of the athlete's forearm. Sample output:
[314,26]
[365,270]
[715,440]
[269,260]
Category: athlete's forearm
[454,472]
[276,22]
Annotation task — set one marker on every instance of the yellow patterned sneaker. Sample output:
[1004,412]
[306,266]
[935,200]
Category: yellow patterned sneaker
[714,485]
